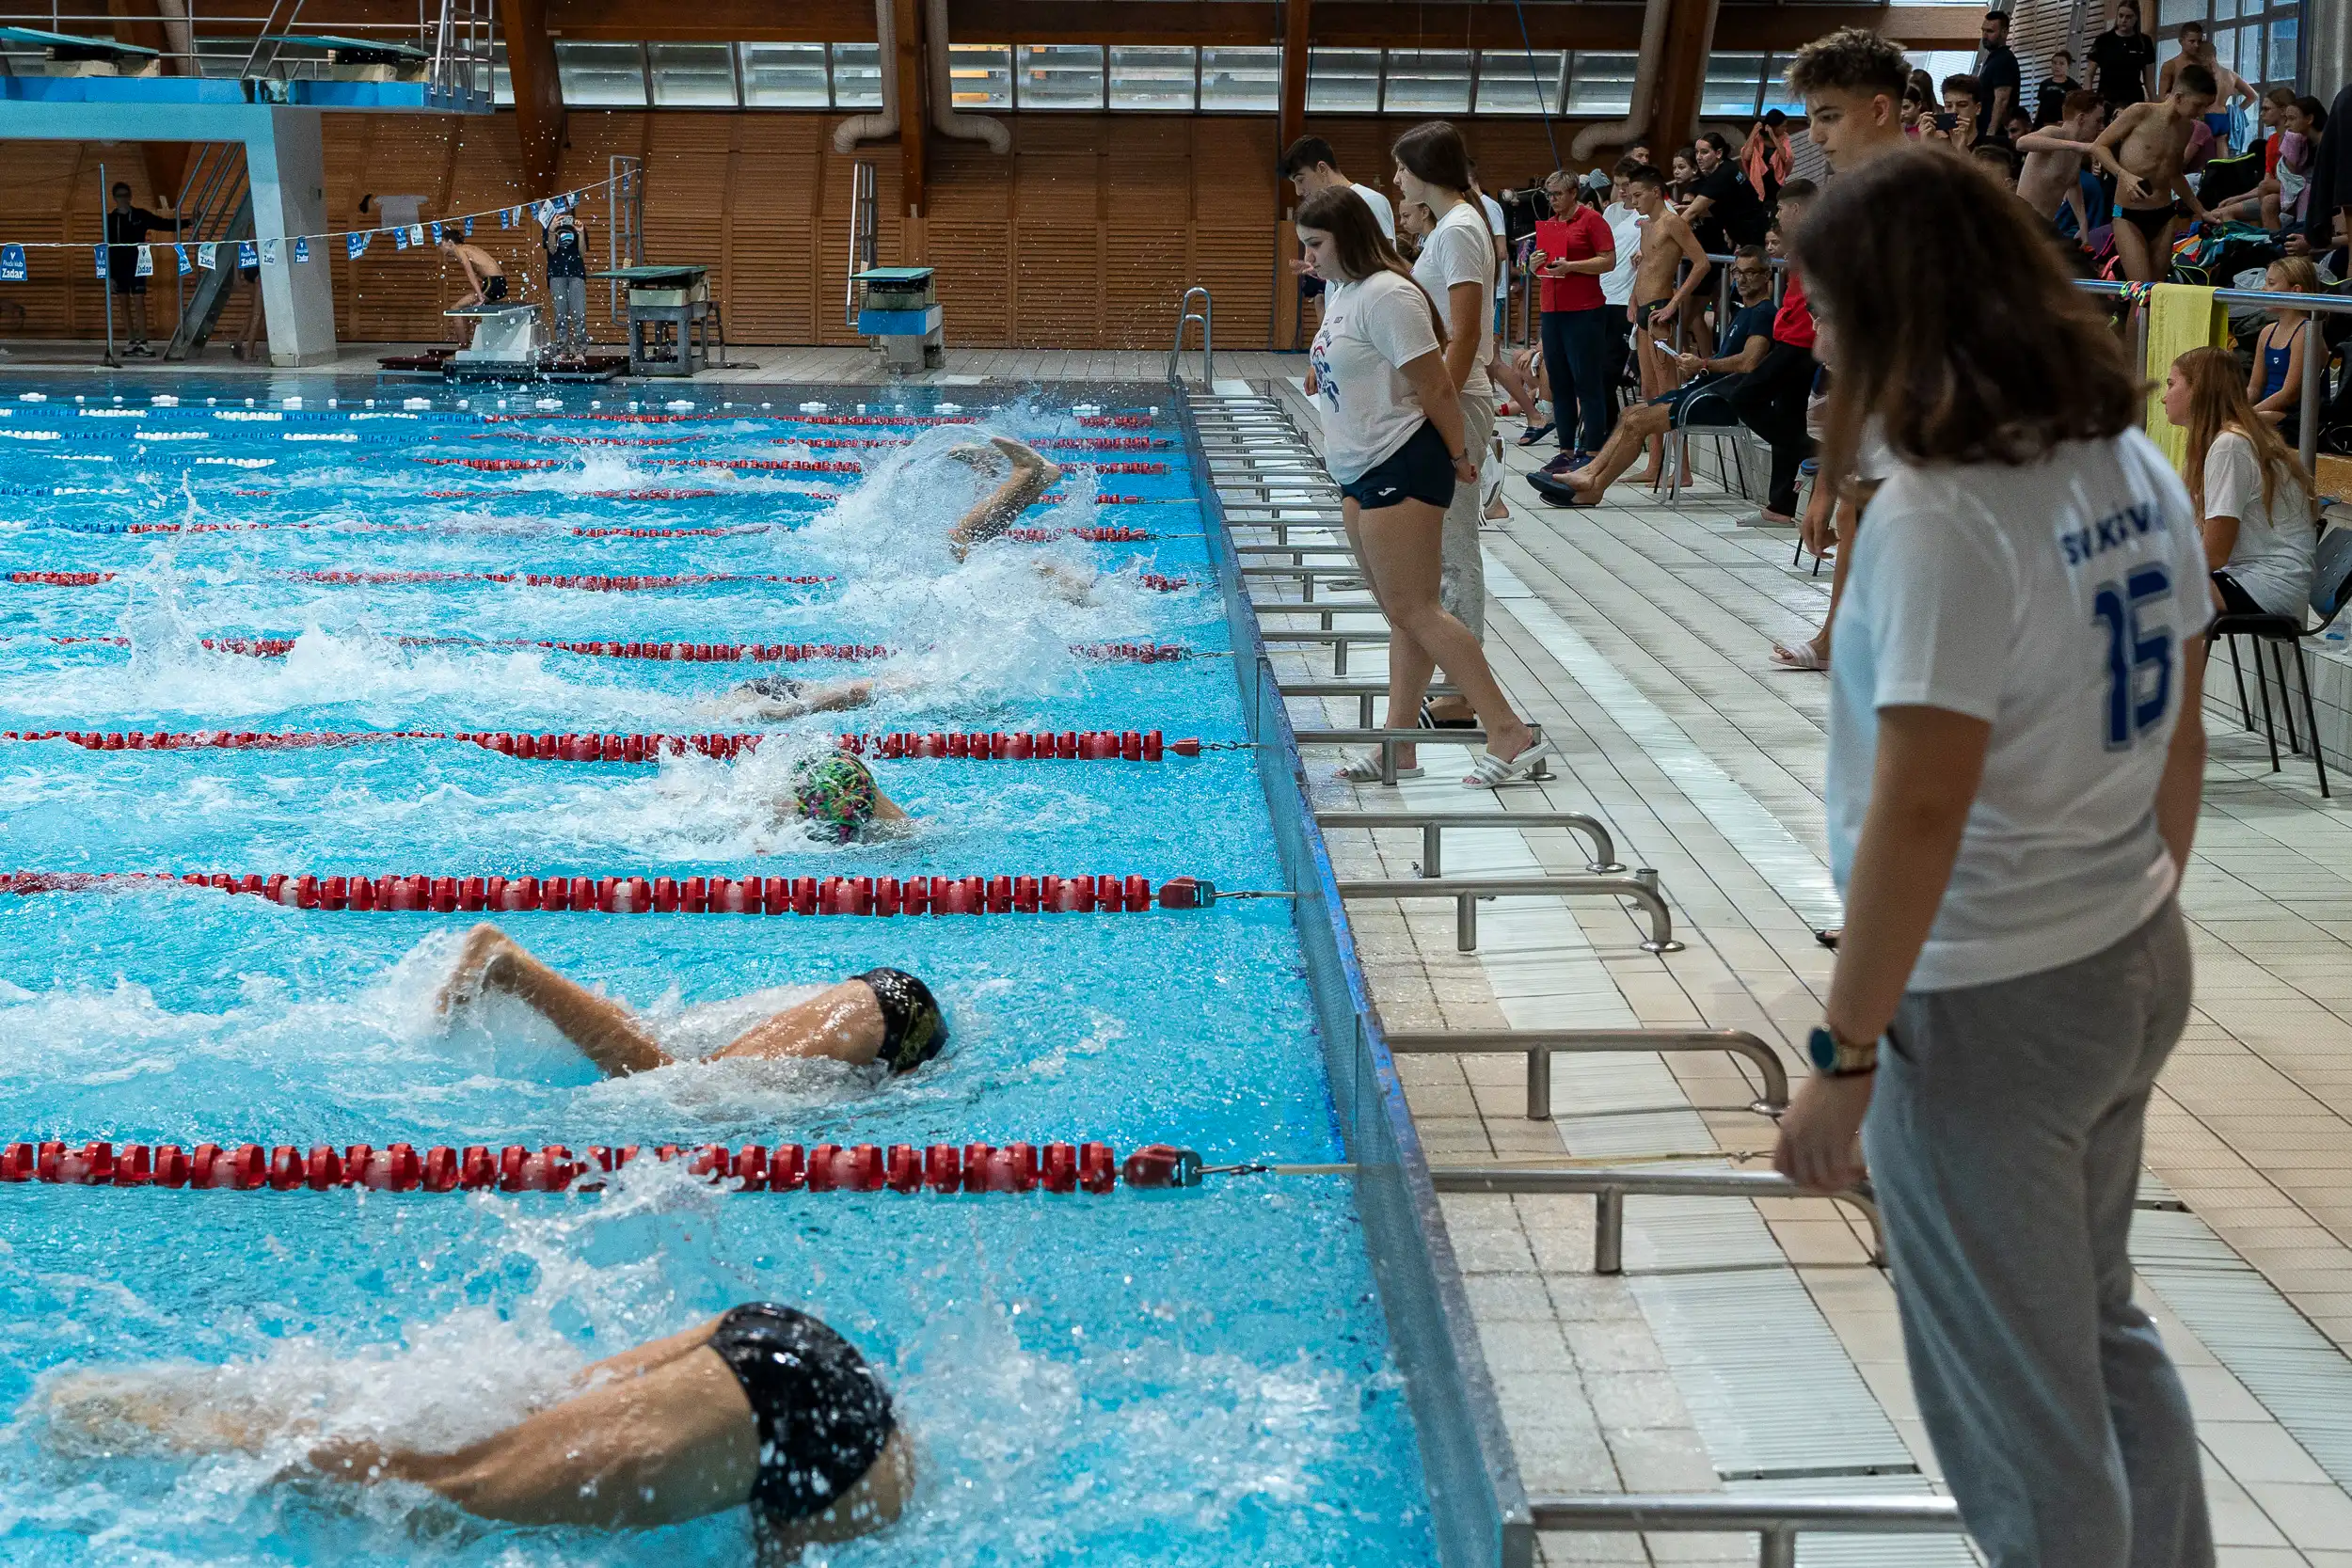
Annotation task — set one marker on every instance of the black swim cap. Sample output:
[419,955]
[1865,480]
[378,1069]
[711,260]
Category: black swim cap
[913,1028]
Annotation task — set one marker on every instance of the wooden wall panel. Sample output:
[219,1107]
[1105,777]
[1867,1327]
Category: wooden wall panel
[1085,238]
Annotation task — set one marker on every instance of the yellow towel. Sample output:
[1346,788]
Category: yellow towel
[2180,317]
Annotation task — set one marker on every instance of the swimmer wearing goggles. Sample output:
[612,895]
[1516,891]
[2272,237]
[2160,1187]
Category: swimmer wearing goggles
[763,1405]
[883,1015]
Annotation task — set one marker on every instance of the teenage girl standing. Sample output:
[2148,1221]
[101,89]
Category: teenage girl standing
[2015,759]
[1394,439]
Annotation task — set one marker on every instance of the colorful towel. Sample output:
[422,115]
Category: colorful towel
[2181,316]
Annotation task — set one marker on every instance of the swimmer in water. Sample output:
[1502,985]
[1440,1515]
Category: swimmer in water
[773,698]
[836,796]
[762,1405]
[883,1015]
[1030,478]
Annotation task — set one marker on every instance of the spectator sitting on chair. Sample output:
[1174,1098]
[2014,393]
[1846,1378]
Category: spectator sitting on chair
[1747,338]
[1771,399]
[127,227]
[2252,493]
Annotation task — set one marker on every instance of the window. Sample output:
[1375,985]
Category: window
[601,75]
[2283,41]
[785,77]
[692,75]
[857,76]
[1427,81]
[1734,83]
[1342,80]
[1152,76]
[2169,13]
[1510,84]
[980,75]
[1059,76]
[502,84]
[2263,46]
[1601,84]
[1241,81]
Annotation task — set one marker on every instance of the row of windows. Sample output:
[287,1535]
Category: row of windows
[1164,79]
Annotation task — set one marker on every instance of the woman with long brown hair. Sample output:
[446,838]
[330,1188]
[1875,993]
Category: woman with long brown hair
[1393,438]
[2249,488]
[2015,759]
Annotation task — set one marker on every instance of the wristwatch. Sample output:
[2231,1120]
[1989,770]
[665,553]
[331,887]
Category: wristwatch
[1838,1057]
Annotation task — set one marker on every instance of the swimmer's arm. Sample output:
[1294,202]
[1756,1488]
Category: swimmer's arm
[606,1032]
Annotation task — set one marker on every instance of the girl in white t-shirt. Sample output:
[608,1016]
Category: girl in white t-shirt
[1393,438]
[2015,761]
[2249,488]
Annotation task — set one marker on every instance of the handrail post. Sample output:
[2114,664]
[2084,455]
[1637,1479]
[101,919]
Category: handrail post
[1776,1547]
[2314,372]
[1466,923]
[107,274]
[1540,1084]
[1608,1231]
[1432,839]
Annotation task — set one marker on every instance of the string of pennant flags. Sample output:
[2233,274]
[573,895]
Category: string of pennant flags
[295,248]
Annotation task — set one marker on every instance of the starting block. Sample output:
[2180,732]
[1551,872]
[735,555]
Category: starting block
[506,338]
[902,311]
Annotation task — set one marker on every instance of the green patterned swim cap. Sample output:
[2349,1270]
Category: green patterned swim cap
[836,794]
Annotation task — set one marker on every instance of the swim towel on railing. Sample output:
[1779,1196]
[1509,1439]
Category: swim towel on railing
[2181,317]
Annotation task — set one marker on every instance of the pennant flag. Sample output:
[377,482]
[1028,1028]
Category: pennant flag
[208,256]
[302,248]
[416,233]
[400,239]
[437,231]
[356,243]
[247,255]
[98,254]
[181,251]
[506,217]
[11,264]
[470,227]
[547,214]
[565,202]
[146,267]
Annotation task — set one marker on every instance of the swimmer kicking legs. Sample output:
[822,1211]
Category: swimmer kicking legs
[1031,477]
[884,1014]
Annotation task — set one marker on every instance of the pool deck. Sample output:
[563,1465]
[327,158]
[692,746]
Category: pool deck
[1639,634]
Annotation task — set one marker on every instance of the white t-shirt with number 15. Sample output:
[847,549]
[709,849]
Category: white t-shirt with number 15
[2057,602]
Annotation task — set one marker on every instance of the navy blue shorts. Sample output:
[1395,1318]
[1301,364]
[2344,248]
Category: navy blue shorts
[1419,470]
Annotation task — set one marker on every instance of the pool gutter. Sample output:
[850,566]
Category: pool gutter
[1478,1504]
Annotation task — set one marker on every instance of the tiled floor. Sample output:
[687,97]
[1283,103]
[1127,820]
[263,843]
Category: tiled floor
[1639,634]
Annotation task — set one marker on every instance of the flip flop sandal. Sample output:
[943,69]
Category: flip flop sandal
[1534,433]
[1490,772]
[1801,656]
[1364,768]
[1829,938]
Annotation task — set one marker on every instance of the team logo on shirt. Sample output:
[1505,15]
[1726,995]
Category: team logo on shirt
[2111,532]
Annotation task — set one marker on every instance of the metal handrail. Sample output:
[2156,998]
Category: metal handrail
[1641,887]
[1365,693]
[1206,317]
[1434,823]
[1539,1044]
[862,230]
[1388,740]
[1778,1520]
[2315,350]
[1610,1186]
[1337,639]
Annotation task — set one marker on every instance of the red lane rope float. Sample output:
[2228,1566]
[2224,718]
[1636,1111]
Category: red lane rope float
[1092,536]
[642,493]
[939,1170]
[415,893]
[495,465]
[1159,584]
[768,465]
[1003,746]
[702,653]
[63,580]
[1114,422]
[586,440]
[671,532]
[535,579]
[924,420]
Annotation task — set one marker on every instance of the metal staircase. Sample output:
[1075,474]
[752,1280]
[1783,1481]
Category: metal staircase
[216,206]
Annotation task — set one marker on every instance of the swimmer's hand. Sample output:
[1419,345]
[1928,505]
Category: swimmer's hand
[480,966]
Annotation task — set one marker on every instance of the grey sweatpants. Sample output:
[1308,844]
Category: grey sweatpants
[1462,572]
[2003,1140]
[571,295]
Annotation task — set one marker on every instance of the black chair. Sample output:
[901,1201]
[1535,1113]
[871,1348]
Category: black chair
[2331,587]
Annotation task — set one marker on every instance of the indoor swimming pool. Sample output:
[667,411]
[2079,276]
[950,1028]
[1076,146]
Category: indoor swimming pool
[346,585]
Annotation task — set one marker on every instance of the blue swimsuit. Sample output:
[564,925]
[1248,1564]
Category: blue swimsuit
[2274,360]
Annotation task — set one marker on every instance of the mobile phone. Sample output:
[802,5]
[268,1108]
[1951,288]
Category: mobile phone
[1664,347]
[1947,123]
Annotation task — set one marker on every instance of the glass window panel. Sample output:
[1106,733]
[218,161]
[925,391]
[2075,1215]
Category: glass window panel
[1342,80]
[1059,76]
[2225,10]
[502,84]
[980,75]
[601,75]
[1510,84]
[1776,93]
[1152,76]
[1428,81]
[857,76]
[785,77]
[2169,13]
[2283,33]
[2249,54]
[2225,47]
[1733,81]
[1241,81]
[1601,84]
[692,75]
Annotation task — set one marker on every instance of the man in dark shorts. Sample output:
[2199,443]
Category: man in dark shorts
[783,1416]
[127,227]
[2145,150]
[2122,62]
[485,275]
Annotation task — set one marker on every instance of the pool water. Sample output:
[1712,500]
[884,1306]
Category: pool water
[1199,1376]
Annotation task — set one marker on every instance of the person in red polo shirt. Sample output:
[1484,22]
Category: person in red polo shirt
[1572,249]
